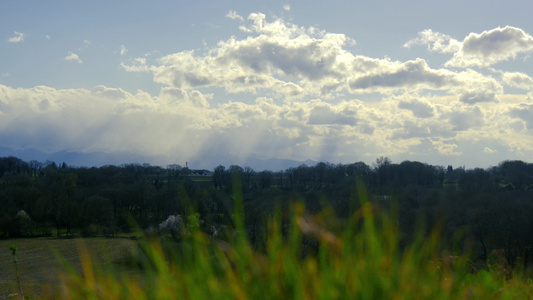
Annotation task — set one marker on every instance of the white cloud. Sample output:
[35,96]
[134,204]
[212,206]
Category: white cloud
[435,41]
[489,150]
[482,50]
[411,74]
[176,122]
[448,149]
[287,7]
[473,97]
[19,37]
[524,112]
[323,114]
[234,16]
[293,62]
[314,99]
[491,47]
[173,96]
[73,57]
[475,87]
[48,37]
[463,119]
[418,108]
[181,124]
[123,50]
[284,58]
[140,60]
[518,80]
[137,65]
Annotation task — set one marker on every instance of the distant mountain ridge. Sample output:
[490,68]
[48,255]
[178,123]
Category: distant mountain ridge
[275,164]
[98,159]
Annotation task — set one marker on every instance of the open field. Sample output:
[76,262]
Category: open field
[362,262]
[40,260]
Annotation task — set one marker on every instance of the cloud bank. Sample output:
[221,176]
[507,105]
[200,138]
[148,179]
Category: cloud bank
[306,97]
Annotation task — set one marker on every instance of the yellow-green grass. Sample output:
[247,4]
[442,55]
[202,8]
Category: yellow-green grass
[358,259]
[361,261]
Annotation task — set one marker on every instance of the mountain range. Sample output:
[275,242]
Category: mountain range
[97,159]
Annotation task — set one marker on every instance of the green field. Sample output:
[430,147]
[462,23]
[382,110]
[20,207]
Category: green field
[361,261]
[305,256]
[42,260]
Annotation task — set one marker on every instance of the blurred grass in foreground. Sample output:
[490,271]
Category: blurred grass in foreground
[361,261]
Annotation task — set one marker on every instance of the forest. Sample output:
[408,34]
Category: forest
[476,210]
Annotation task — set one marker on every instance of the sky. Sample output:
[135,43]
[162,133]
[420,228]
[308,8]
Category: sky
[210,82]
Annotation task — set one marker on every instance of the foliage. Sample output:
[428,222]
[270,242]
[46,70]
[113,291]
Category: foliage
[364,260]
[489,207]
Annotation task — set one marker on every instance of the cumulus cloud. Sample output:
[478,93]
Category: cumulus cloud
[435,42]
[323,114]
[518,80]
[176,123]
[301,94]
[73,57]
[491,47]
[282,57]
[464,119]
[102,119]
[182,124]
[173,96]
[524,112]
[477,49]
[418,108]
[472,97]
[448,149]
[294,62]
[19,37]
[475,87]
[411,74]
[137,65]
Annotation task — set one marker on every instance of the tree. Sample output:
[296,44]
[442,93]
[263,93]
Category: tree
[517,173]
[382,167]
[98,210]
[16,226]
[24,223]
[248,179]
[218,177]
[265,179]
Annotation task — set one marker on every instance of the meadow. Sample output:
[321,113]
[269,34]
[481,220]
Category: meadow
[305,257]
[41,261]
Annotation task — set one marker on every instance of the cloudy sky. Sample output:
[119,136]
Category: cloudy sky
[442,82]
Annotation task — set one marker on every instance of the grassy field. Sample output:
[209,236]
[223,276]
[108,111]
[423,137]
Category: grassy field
[42,260]
[361,260]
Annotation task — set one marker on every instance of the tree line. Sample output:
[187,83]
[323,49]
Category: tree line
[478,209]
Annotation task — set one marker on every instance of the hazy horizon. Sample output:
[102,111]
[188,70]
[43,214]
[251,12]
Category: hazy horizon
[445,83]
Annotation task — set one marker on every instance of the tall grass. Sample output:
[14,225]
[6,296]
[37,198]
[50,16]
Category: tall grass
[361,261]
